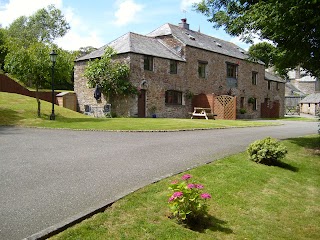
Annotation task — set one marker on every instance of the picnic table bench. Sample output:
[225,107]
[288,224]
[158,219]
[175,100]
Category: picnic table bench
[292,110]
[202,112]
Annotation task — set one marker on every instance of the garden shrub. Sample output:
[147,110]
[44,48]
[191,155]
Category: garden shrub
[267,151]
[187,202]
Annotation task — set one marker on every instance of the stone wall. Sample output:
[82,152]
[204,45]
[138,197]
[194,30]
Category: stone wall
[158,81]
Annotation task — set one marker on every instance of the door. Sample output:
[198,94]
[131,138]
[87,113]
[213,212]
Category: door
[142,104]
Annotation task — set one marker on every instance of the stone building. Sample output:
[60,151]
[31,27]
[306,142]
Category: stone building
[173,65]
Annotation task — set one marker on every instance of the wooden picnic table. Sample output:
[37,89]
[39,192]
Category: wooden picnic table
[202,112]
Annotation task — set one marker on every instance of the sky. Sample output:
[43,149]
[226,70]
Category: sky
[98,22]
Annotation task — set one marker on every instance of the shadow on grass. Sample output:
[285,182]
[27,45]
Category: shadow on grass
[208,222]
[285,166]
[78,120]
[307,142]
[9,117]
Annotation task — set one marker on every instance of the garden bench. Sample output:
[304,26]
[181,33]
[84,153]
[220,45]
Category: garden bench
[203,112]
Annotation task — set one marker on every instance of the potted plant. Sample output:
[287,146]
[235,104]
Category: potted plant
[251,100]
[243,110]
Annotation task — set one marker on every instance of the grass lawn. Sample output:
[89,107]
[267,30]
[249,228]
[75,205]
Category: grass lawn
[18,110]
[249,201]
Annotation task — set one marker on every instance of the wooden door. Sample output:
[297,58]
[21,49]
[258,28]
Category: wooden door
[142,104]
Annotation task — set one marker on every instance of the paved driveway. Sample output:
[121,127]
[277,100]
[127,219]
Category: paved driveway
[50,177]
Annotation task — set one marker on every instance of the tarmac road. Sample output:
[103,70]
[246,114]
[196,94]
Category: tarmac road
[49,178]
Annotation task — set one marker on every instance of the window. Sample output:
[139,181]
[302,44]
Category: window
[173,97]
[278,86]
[173,67]
[242,102]
[232,75]
[254,78]
[254,104]
[202,69]
[232,70]
[269,85]
[148,63]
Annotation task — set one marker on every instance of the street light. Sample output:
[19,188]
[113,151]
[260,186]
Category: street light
[53,58]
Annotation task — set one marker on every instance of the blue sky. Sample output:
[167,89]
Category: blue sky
[98,22]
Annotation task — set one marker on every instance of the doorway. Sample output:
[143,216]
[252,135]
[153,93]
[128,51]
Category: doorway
[142,104]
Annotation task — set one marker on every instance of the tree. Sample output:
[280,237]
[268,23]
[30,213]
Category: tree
[111,75]
[291,25]
[34,65]
[265,52]
[3,48]
[29,42]
[44,26]
[86,50]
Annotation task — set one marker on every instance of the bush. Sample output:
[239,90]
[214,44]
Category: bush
[187,202]
[267,151]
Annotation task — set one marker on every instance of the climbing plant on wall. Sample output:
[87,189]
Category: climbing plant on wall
[110,74]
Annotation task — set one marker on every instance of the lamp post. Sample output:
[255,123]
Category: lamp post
[53,58]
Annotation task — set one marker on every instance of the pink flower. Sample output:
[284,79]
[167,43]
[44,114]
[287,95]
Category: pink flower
[177,194]
[199,186]
[171,199]
[186,176]
[205,196]
[191,185]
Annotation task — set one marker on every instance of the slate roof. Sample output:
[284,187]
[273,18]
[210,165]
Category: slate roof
[293,89]
[202,41]
[151,45]
[136,43]
[312,98]
[271,77]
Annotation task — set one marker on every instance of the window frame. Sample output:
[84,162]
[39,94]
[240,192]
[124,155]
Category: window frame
[173,67]
[148,63]
[176,97]
[255,105]
[202,69]
[234,69]
[254,78]
[269,85]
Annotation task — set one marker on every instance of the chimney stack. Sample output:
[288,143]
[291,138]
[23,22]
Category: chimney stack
[184,24]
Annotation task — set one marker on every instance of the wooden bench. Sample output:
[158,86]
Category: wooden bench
[203,112]
[292,110]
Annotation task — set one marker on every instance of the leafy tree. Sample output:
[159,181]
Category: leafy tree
[265,52]
[111,75]
[34,66]
[44,26]
[29,43]
[86,50]
[291,25]
[3,48]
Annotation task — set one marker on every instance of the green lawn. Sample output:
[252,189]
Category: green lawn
[18,110]
[250,201]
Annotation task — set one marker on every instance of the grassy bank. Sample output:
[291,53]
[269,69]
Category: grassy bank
[18,110]
[250,201]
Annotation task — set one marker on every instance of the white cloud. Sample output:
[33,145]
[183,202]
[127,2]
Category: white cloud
[80,34]
[73,40]
[16,8]
[186,4]
[127,12]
